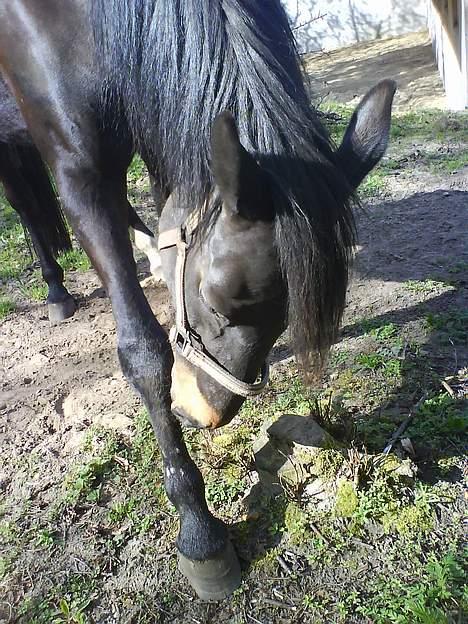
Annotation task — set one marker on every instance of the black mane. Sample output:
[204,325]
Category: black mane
[174,66]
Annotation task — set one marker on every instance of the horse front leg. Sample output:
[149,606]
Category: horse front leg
[99,216]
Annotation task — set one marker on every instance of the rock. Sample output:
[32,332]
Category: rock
[287,446]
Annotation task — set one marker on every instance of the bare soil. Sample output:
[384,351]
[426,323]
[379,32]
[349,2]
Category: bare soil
[345,74]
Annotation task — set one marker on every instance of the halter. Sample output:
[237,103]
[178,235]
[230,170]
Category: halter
[182,337]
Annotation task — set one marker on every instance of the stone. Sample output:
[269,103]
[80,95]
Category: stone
[287,446]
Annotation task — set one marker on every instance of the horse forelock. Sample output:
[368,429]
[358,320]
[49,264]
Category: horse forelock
[175,66]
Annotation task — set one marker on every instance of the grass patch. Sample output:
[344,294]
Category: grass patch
[14,252]
[453,325]
[439,418]
[138,180]
[391,367]
[448,163]
[435,596]
[426,286]
[74,260]
[7,306]
[374,184]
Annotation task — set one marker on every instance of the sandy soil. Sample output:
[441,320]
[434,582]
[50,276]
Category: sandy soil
[344,75]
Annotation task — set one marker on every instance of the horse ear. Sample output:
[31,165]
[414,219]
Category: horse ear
[366,136]
[239,178]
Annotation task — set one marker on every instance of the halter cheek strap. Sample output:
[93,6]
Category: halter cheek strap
[181,336]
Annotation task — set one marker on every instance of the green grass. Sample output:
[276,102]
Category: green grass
[426,286]
[435,597]
[17,262]
[448,163]
[452,325]
[374,184]
[439,418]
[7,306]
[377,361]
[450,129]
[138,180]
[430,124]
[74,260]
[14,252]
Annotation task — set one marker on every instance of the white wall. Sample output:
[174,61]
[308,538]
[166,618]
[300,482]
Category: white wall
[345,22]
[448,24]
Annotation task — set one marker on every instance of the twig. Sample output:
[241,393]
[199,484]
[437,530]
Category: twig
[319,533]
[314,19]
[251,617]
[277,603]
[403,426]
[448,388]
[283,564]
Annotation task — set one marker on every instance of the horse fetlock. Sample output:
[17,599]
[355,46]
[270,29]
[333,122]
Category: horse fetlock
[201,535]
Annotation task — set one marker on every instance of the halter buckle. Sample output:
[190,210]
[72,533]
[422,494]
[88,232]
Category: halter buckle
[184,340]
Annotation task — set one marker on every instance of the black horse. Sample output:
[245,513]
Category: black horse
[258,229]
[29,190]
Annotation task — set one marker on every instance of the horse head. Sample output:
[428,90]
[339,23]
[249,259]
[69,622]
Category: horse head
[225,272]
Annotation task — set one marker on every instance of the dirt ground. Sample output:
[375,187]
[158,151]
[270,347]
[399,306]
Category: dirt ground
[345,74]
[57,383]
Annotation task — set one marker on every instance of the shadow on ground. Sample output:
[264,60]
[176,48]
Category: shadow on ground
[348,73]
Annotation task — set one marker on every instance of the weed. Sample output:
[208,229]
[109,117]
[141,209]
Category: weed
[327,464]
[426,286]
[452,324]
[384,332]
[437,418]
[374,185]
[7,306]
[84,482]
[34,287]
[436,593]
[121,510]
[74,260]
[44,538]
[226,486]
[14,253]
[449,162]
[376,361]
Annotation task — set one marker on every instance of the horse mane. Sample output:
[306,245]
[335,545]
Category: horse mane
[174,66]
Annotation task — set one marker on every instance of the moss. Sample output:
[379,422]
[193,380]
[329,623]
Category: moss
[389,463]
[409,520]
[327,464]
[267,561]
[296,523]
[346,499]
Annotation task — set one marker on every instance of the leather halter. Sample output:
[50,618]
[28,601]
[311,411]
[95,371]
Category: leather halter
[182,337]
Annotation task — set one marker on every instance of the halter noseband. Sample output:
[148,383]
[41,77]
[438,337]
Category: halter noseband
[182,337]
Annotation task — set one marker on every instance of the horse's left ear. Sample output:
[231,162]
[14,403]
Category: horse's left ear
[366,136]
[240,180]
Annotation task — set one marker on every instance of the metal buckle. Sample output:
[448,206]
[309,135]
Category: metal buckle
[179,338]
[182,339]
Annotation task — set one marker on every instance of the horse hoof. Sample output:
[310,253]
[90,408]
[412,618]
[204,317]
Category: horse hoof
[213,579]
[62,310]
